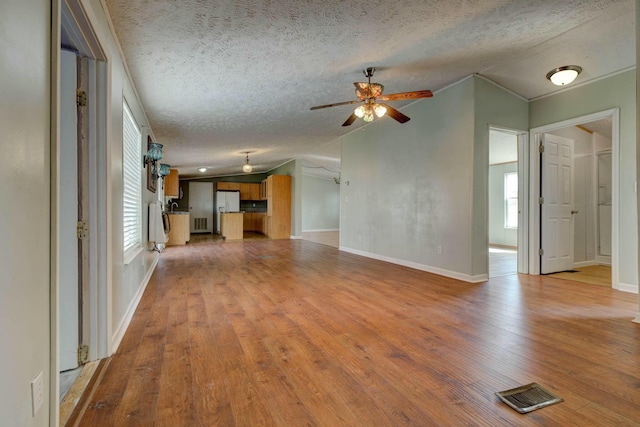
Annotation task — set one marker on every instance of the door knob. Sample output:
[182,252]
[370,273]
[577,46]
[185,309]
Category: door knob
[573,212]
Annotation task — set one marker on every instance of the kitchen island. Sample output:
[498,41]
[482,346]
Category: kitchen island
[231,227]
[179,234]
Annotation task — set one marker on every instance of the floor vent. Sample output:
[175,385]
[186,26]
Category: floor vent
[528,398]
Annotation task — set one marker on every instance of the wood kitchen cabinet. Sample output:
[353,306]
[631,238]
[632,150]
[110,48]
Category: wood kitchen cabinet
[231,225]
[249,191]
[278,218]
[172,184]
[248,221]
[234,186]
[263,190]
[179,234]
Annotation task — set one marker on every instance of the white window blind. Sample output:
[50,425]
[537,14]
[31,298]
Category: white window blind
[132,178]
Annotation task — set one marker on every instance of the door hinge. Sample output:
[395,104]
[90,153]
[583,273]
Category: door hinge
[541,201]
[540,252]
[83,354]
[541,148]
[82,230]
[81,98]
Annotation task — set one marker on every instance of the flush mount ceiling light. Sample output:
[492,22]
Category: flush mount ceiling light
[202,170]
[562,76]
[246,168]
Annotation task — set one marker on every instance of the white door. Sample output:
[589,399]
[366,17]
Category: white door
[557,204]
[68,215]
[201,207]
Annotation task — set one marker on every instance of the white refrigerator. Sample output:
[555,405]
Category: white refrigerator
[226,201]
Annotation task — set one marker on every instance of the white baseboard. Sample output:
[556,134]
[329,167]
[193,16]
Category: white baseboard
[118,334]
[625,287]
[292,237]
[320,230]
[637,319]
[423,267]
[584,264]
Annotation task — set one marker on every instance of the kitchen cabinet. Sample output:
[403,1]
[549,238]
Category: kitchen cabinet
[231,225]
[263,190]
[233,186]
[249,191]
[179,234]
[278,218]
[253,221]
[255,191]
[172,184]
[248,221]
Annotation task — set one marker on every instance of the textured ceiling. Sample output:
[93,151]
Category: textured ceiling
[218,78]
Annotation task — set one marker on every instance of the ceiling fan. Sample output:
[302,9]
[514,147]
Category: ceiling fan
[369,94]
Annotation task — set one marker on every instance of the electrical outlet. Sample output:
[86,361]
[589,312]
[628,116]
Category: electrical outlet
[37,394]
[439,250]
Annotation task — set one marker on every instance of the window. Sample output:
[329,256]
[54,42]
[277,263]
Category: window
[511,200]
[132,180]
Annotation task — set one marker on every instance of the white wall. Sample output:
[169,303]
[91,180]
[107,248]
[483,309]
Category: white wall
[498,233]
[320,204]
[618,91]
[25,223]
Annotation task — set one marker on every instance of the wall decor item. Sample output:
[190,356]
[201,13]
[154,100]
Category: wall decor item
[154,154]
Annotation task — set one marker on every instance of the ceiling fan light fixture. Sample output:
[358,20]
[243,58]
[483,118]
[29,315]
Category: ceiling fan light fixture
[380,110]
[359,112]
[246,168]
[368,117]
[562,76]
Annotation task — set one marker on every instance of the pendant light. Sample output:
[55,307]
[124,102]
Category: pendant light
[247,168]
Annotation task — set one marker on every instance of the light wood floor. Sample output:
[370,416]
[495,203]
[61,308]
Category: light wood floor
[502,262]
[594,275]
[293,333]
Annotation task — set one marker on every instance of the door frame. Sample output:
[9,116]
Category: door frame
[72,17]
[523,197]
[534,183]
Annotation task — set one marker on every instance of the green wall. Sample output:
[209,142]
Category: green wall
[416,187]
[320,204]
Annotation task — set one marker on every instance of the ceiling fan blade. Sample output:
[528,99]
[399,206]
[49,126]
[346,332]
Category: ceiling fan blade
[317,107]
[352,118]
[406,95]
[395,114]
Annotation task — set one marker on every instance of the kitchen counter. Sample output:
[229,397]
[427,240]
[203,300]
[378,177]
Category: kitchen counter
[231,226]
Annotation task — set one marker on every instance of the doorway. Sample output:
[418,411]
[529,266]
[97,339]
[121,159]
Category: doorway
[505,207]
[201,207]
[79,204]
[589,225]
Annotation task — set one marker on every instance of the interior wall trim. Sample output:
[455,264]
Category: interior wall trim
[118,334]
[423,267]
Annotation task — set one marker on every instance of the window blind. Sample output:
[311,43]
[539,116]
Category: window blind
[132,179]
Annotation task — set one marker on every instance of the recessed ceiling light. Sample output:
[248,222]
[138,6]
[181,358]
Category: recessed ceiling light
[202,170]
[564,75]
